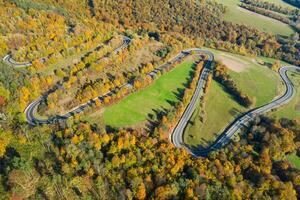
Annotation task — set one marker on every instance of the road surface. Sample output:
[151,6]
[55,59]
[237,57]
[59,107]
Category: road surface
[241,121]
[10,61]
[176,136]
[30,111]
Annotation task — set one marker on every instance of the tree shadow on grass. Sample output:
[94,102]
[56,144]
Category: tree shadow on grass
[234,112]
[179,93]
[111,129]
[154,119]
[180,90]
[231,96]
[171,103]
[203,144]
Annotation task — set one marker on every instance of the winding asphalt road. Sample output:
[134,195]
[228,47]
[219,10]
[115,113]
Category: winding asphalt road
[249,116]
[176,136]
[241,121]
[30,111]
[10,61]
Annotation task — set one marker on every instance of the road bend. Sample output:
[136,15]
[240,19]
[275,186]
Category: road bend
[31,110]
[176,136]
[244,119]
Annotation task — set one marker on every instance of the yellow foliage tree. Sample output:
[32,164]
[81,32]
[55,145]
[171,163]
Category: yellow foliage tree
[137,84]
[141,192]
[5,138]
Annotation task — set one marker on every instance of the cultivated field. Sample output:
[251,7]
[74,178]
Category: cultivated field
[243,16]
[281,3]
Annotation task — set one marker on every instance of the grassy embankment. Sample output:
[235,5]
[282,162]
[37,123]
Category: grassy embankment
[292,109]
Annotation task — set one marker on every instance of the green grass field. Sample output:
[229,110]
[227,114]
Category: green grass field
[259,82]
[252,80]
[220,109]
[238,15]
[295,160]
[136,107]
[292,109]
